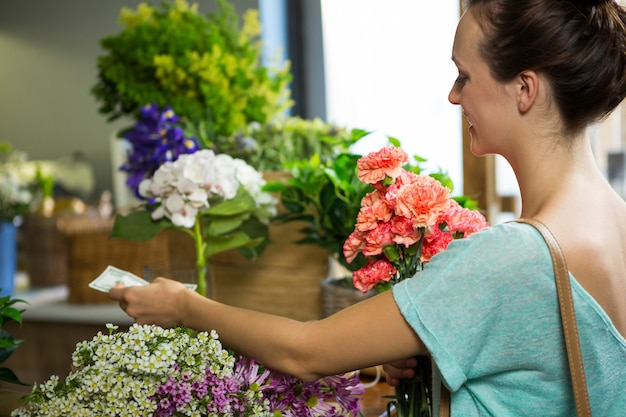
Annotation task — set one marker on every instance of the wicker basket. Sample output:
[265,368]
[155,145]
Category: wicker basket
[336,297]
[284,280]
[45,250]
[91,250]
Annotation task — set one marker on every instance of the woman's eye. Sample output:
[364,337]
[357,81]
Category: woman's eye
[460,80]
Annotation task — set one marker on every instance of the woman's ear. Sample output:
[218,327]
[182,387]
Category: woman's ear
[527,90]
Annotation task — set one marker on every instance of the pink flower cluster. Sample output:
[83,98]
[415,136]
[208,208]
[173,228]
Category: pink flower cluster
[404,221]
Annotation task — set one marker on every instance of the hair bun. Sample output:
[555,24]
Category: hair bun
[583,4]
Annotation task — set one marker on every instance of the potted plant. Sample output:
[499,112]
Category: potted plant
[8,345]
[204,66]
[271,147]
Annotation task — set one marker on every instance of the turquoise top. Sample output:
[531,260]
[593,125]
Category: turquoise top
[487,311]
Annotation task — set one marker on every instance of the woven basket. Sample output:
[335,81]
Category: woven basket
[91,250]
[336,297]
[46,251]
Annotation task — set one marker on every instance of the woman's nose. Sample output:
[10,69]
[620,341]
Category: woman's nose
[453,95]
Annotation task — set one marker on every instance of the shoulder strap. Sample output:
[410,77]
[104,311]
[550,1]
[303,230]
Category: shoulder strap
[570,329]
[568,318]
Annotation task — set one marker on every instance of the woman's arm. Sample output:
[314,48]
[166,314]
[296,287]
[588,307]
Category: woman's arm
[366,334]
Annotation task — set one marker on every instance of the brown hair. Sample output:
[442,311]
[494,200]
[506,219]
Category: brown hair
[579,45]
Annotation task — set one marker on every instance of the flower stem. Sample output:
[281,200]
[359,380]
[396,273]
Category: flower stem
[200,258]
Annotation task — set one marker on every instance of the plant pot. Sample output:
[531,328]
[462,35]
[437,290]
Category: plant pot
[8,257]
[46,250]
[338,294]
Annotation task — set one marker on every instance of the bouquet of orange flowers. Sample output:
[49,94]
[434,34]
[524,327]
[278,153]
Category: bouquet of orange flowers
[403,222]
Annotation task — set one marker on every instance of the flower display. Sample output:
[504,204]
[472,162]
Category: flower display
[157,137]
[151,371]
[215,198]
[404,221]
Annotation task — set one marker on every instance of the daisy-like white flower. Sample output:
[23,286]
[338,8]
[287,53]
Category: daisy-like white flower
[161,378]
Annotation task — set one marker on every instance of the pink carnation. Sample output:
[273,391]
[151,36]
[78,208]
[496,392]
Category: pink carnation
[372,198]
[404,231]
[466,221]
[435,241]
[376,239]
[353,245]
[375,271]
[387,162]
[423,201]
[366,219]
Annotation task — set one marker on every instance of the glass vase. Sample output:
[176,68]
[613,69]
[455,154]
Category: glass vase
[413,397]
[8,257]
[187,273]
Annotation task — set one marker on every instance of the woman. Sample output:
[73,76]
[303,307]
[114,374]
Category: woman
[532,75]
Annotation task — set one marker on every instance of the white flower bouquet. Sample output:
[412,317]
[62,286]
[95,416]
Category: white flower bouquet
[151,371]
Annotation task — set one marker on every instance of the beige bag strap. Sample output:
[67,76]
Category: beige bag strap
[570,329]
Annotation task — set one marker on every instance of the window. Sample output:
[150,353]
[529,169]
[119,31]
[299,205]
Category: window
[388,70]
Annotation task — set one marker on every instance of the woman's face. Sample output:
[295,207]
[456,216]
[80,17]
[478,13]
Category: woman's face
[486,102]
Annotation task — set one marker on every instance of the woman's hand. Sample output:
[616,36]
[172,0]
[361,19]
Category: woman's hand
[161,302]
[401,369]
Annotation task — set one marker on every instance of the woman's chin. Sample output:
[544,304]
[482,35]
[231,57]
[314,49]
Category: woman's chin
[475,148]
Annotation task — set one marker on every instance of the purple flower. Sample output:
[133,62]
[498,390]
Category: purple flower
[156,138]
[251,383]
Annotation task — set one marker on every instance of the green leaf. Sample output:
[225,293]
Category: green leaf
[223,225]
[12,313]
[274,186]
[242,203]
[218,244]
[7,347]
[138,226]
[394,141]
[7,375]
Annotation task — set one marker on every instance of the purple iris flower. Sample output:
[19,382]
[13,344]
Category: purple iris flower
[156,138]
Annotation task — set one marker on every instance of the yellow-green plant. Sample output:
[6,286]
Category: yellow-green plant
[205,67]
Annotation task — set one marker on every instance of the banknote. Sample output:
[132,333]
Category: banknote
[112,276]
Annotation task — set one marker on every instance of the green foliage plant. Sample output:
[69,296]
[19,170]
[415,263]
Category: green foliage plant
[7,343]
[204,66]
[272,147]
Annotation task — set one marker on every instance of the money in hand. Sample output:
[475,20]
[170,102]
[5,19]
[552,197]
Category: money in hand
[113,276]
